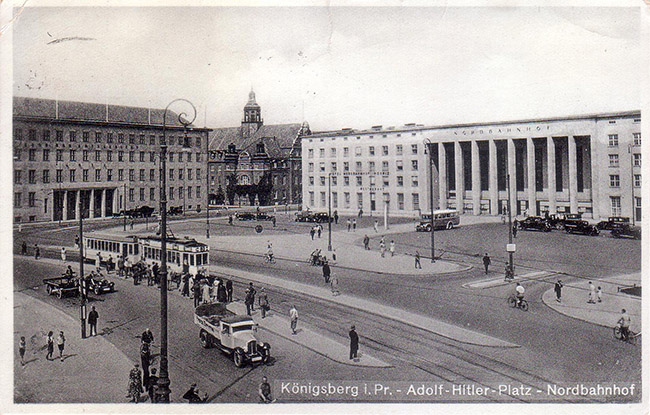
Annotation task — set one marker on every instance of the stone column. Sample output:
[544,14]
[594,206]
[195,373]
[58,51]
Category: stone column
[103,203]
[573,175]
[77,204]
[476,179]
[65,205]
[91,213]
[530,158]
[513,180]
[550,161]
[460,185]
[493,183]
[442,175]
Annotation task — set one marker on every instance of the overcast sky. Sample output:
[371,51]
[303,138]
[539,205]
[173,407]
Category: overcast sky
[336,67]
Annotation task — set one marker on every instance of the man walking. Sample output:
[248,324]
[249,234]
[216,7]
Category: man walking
[514,228]
[248,301]
[264,302]
[366,242]
[349,225]
[229,290]
[486,262]
[151,384]
[312,232]
[23,249]
[354,343]
[63,255]
[92,321]
[376,226]
[592,293]
[392,248]
[37,251]
[253,292]
[326,271]
[336,217]
[293,314]
[418,265]
[558,291]
[354,225]
[320,230]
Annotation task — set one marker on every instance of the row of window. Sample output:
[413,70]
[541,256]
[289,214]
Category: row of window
[415,200]
[45,135]
[399,166]
[614,160]
[358,151]
[615,203]
[72,175]
[415,182]
[615,180]
[612,139]
[97,155]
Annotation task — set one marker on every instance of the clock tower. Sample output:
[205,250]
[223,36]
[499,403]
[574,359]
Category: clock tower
[252,117]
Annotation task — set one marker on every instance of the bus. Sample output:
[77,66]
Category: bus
[442,219]
[109,245]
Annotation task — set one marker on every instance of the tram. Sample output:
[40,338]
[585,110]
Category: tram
[108,245]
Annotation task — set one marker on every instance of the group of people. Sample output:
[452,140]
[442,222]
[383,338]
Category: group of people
[316,230]
[205,291]
[330,279]
[145,379]
[352,225]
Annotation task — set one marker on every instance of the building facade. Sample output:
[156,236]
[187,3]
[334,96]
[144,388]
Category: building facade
[73,158]
[256,163]
[588,164]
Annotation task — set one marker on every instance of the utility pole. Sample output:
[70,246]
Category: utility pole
[329,212]
[511,266]
[433,224]
[82,281]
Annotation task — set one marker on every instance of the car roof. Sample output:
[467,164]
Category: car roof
[237,319]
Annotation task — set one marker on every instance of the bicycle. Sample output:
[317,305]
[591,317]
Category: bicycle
[631,337]
[512,302]
[269,259]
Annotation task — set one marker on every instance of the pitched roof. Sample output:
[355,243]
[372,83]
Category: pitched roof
[221,137]
[278,139]
[86,111]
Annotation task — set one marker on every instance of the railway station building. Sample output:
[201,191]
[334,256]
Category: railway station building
[589,164]
[95,160]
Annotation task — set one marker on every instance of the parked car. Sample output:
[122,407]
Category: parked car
[175,210]
[143,212]
[625,230]
[321,217]
[535,223]
[580,226]
[305,216]
[99,284]
[264,216]
[612,222]
[245,216]
[557,221]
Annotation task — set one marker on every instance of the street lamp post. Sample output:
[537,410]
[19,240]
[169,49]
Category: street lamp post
[430,145]
[207,188]
[629,150]
[329,212]
[163,391]
[82,281]
[511,265]
[124,207]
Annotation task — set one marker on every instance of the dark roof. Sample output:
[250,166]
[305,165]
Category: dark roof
[278,139]
[86,111]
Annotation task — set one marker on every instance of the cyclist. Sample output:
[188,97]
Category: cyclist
[624,322]
[519,292]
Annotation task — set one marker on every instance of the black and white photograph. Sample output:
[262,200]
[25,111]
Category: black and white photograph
[311,204]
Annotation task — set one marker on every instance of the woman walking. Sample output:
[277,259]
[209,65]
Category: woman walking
[50,345]
[60,341]
[21,350]
[135,384]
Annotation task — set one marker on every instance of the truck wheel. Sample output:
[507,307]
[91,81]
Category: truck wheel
[60,293]
[238,357]
[266,357]
[97,291]
[205,339]
[450,225]
[49,290]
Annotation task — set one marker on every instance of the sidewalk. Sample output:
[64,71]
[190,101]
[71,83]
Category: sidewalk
[308,338]
[438,327]
[92,362]
[575,296]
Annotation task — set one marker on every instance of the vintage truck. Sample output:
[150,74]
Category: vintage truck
[61,285]
[233,334]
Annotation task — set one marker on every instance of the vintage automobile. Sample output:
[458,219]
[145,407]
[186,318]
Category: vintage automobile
[557,221]
[321,217]
[175,210]
[143,212]
[612,222]
[305,216]
[535,223]
[264,216]
[61,285]
[233,334]
[98,284]
[245,216]
[625,230]
[580,226]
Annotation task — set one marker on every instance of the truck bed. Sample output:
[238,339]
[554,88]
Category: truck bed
[208,316]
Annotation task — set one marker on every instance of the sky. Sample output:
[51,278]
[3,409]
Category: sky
[336,67]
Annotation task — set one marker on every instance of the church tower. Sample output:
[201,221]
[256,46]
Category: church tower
[252,117]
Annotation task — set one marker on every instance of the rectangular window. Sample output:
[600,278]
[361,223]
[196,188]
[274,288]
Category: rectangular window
[98,175]
[142,157]
[333,152]
[346,151]
[399,150]
[131,198]
[109,137]
[198,157]
[637,180]
[346,180]
[414,149]
[333,166]
[131,175]
[400,201]
[400,181]
[152,156]
[109,175]
[181,174]
[311,198]
[371,166]
[360,200]
[120,175]
[18,177]
[198,175]
[311,180]
[357,166]
[371,150]
[414,165]
[152,175]
[73,155]
[18,134]
[120,155]
[321,166]
[131,138]
[171,156]
[46,135]
[84,155]
[321,152]
[17,154]
[189,192]
[310,153]
[98,155]
[384,166]
[400,165]
[59,135]
[120,138]
[171,174]
[141,175]
[416,201]
[46,176]
[59,175]
[18,199]
[386,181]
[612,140]
[84,175]
[384,150]
[614,180]
[615,202]
[32,154]
[322,180]
[73,175]
[346,166]
[72,135]
[414,181]
[346,199]
[142,192]
[322,199]
[143,140]
[152,193]
[31,196]
[357,151]
[311,167]
[85,136]
[637,138]
[335,200]
[637,160]
[613,160]
[46,154]
[360,180]
[32,135]
[334,180]
[131,156]
[189,157]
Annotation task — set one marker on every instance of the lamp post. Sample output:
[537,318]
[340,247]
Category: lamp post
[629,150]
[510,248]
[124,208]
[329,211]
[430,145]
[82,281]
[207,188]
[162,393]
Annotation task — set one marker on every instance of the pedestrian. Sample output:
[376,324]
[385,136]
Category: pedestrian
[98,264]
[319,229]
[382,248]
[326,272]
[110,265]
[514,229]
[253,292]
[128,267]
[37,251]
[205,292]
[558,291]
[354,343]
[193,396]
[264,391]
[392,248]
[145,359]
[60,342]
[155,271]
[486,262]
[376,226]
[185,291]
[197,293]
[50,345]
[264,302]
[131,224]
[366,242]
[230,219]
[334,285]
[336,217]
[273,220]
[63,256]
[354,225]
[120,266]
[248,301]
[599,295]
[20,227]
[360,212]
[312,232]
[21,350]
[92,321]
[229,290]
[147,336]
[418,265]
[222,295]
[293,314]
[135,384]
[76,241]
[349,225]
[592,293]
[23,249]
[151,384]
